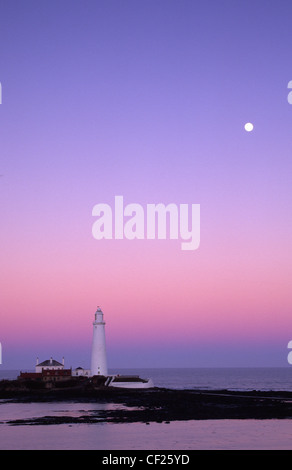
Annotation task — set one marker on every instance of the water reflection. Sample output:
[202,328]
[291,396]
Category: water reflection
[177,435]
[10,410]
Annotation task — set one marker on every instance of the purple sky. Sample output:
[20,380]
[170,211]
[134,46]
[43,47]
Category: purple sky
[146,99]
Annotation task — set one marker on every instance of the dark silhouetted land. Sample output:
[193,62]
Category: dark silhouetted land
[152,405]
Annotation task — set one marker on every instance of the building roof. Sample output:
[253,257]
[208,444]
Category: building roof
[49,362]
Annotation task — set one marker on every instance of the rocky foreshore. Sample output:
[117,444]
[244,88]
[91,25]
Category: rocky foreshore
[153,405]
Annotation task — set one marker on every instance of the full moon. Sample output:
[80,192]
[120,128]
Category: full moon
[248,126]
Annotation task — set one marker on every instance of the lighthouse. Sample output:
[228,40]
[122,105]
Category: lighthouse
[98,352]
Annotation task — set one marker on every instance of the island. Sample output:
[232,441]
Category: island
[146,405]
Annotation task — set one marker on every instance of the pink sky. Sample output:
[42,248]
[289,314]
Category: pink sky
[94,106]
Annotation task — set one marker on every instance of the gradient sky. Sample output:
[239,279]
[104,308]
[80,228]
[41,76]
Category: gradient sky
[146,99]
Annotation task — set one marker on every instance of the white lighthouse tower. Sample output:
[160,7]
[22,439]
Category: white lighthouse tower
[98,352]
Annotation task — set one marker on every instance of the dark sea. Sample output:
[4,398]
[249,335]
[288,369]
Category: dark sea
[176,435]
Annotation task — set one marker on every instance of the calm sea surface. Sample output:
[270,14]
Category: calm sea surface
[177,435]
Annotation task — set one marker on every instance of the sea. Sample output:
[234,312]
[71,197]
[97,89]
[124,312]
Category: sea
[229,434]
